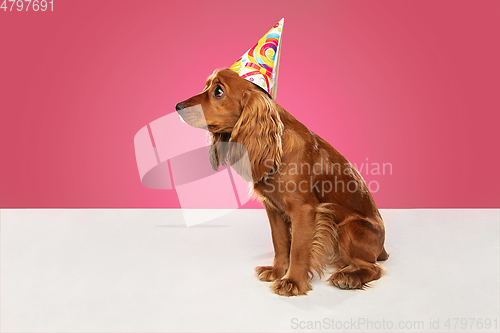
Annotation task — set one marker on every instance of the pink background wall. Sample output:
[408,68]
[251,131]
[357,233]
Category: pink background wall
[410,83]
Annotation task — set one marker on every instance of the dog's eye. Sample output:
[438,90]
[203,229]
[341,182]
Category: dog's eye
[218,92]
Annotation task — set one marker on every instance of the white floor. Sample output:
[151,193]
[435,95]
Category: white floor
[144,271]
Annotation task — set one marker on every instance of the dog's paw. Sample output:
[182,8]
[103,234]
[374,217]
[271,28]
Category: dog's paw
[266,273]
[287,287]
[269,273]
[344,280]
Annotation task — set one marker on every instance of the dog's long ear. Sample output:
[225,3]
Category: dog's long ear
[259,129]
[218,149]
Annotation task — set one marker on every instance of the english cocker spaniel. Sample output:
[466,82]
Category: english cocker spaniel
[319,207]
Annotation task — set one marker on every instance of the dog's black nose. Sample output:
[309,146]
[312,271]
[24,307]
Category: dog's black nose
[180,106]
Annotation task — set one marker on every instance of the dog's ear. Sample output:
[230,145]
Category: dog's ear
[214,159]
[218,149]
[259,129]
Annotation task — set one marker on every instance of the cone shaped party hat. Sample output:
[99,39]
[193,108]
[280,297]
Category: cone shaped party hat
[260,64]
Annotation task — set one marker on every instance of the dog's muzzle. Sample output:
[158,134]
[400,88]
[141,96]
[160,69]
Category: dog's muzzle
[192,115]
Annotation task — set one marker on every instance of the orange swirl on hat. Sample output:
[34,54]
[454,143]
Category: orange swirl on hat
[263,54]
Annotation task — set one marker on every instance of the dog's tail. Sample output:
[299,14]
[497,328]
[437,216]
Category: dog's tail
[324,239]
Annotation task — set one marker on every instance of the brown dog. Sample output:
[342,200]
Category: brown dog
[319,207]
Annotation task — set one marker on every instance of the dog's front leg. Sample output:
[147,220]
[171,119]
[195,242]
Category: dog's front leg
[296,280]
[280,232]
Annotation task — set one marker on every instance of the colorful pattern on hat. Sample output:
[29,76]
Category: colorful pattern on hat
[260,64]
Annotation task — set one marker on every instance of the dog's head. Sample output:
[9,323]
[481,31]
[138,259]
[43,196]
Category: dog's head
[235,110]
[219,106]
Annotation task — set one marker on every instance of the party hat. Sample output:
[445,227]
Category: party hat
[260,64]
